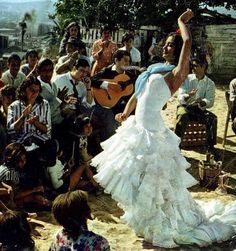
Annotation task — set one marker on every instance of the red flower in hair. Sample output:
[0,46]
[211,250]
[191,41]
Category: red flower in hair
[178,31]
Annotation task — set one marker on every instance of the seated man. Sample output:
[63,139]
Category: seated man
[196,95]
[76,85]
[232,98]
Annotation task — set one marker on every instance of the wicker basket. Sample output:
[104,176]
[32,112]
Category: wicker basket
[209,172]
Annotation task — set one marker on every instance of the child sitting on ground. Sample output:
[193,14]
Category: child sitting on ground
[10,173]
[80,157]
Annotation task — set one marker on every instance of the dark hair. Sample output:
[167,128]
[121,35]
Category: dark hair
[21,90]
[178,42]
[119,54]
[67,30]
[8,91]
[15,231]
[81,63]
[71,210]
[13,56]
[201,60]
[126,37]
[44,62]
[13,153]
[31,51]
[80,122]
[104,28]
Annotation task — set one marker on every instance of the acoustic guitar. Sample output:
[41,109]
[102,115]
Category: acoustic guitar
[109,98]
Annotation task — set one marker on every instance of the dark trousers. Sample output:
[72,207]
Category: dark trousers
[106,121]
[233,115]
[194,113]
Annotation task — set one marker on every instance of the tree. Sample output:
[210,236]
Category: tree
[121,13]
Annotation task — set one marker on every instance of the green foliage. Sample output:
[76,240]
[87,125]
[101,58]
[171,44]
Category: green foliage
[121,13]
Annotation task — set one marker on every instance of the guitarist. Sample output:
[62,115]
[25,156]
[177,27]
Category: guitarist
[105,115]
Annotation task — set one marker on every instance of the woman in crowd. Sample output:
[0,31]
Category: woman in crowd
[32,58]
[72,31]
[29,117]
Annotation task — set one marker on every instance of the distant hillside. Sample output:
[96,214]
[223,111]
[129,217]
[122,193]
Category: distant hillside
[14,11]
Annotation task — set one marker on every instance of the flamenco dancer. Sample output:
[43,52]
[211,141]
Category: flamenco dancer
[143,169]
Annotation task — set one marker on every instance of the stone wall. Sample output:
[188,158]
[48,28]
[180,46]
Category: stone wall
[222,40]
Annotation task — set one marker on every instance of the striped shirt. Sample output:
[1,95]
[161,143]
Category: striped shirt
[27,130]
[8,174]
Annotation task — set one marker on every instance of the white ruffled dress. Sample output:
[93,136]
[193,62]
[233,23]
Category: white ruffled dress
[143,169]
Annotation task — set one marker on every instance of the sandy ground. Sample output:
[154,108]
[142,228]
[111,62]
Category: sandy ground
[107,214]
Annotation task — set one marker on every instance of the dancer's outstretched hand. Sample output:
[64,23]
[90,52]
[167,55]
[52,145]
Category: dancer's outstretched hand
[120,117]
[186,16]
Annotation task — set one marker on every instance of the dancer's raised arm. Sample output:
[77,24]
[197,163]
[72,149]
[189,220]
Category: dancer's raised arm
[176,77]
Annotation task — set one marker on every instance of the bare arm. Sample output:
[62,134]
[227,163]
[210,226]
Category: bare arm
[175,78]
[22,194]
[68,64]
[130,106]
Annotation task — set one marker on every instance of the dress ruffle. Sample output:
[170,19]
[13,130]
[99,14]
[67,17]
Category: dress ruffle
[143,170]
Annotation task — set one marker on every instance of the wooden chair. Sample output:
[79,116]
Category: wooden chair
[194,136]
[228,119]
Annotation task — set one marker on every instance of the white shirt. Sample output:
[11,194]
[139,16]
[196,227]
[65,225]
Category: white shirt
[8,79]
[134,54]
[232,90]
[66,80]
[205,90]
[49,92]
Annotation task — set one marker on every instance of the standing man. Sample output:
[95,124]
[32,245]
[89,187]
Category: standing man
[196,95]
[128,42]
[103,50]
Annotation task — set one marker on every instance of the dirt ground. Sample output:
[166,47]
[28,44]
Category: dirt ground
[107,214]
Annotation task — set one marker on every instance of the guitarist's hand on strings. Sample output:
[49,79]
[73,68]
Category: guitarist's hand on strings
[115,87]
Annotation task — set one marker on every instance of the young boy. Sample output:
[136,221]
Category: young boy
[13,76]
